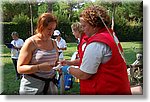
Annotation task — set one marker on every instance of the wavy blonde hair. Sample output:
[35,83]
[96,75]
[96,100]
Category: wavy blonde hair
[77,27]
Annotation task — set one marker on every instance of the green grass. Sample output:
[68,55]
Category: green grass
[130,52]
[71,48]
[11,86]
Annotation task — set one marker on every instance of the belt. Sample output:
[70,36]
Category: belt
[46,80]
[59,53]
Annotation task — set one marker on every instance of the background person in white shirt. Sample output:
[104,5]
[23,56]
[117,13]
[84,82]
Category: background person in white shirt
[61,43]
[17,44]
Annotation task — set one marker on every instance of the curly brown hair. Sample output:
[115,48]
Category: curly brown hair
[92,15]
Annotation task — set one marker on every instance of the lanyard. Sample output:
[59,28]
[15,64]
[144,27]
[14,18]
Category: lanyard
[112,35]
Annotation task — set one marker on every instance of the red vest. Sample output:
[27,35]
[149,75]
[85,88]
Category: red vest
[82,41]
[111,77]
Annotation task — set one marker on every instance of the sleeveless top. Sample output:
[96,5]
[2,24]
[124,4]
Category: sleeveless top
[40,56]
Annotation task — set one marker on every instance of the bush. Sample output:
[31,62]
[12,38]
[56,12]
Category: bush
[20,24]
[128,31]
[9,27]
[64,25]
[21,18]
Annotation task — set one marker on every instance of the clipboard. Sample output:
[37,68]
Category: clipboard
[9,45]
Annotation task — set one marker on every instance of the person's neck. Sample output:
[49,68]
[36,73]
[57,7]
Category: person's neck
[43,38]
[58,39]
[16,39]
[80,35]
[95,31]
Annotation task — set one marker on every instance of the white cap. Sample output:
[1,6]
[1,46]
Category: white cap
[56,33]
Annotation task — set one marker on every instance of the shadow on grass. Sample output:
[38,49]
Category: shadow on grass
[5,56]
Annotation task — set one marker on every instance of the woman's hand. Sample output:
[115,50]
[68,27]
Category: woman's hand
[46,66]
[17,48]
[64,62]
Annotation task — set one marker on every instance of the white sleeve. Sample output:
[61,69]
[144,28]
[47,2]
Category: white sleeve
[64,44]
[12,42]
[93,56]
[22,42]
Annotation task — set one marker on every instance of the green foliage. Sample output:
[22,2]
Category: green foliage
[65,27]
[128,17]
[128,23]
[128,31]
[12,9]
[21,19]
[8,27]
[42,8]
[22,28]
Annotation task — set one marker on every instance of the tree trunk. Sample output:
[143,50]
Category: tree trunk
[113,16]
[31,18]
[50,7]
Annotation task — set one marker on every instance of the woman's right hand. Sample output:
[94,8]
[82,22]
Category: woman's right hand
[46,66]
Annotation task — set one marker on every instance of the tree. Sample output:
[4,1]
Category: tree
[10,10]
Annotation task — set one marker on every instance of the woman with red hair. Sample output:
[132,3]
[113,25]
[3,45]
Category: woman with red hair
[37,58]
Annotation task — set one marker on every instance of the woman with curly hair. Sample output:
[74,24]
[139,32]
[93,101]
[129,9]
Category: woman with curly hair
[103,69]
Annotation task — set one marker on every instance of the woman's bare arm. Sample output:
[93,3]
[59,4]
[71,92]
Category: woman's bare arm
[25,56]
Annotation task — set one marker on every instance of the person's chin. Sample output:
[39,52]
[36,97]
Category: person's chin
[49,35]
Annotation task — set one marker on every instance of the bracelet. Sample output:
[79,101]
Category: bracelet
[68,63]
[68,70]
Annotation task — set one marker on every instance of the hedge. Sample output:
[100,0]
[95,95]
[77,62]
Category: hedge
[23,30]
[129,33]
[124,32]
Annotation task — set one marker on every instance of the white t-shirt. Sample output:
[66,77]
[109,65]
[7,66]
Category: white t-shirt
[61,44]
[95,53]
[15,52]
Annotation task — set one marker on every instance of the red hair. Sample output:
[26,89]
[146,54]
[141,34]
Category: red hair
[44,20]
